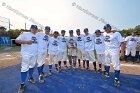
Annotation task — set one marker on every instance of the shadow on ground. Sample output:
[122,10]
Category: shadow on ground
[68,81]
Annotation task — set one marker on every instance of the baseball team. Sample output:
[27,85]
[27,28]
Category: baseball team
[73,51]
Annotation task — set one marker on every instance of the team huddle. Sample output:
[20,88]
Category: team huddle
[73,51]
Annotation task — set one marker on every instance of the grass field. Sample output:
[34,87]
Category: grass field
[9,48]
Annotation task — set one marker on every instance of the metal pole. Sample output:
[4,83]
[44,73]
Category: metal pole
[25,26]
[9,24]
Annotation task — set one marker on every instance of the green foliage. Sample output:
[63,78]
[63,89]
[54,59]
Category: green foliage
[128,31]
[2,29]
[137,28]
[13,33]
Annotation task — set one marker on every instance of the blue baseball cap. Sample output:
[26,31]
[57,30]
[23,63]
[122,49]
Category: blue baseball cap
[78,30]
[97,31]
[56,32]
[70,31]
[33,26]
[107,26]
[63,31]
[86,30]
[47,28]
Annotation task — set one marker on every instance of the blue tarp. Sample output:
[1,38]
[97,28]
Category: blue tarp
[5,41]
[68,81]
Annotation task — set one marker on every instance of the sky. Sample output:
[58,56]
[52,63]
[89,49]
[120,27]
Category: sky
[64,14]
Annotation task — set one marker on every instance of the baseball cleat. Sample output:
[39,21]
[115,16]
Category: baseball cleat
[79,66]
[44,74]
[66,67]
[105,74]
[95,69]
[99,70]
[116,83]
[50,73]
[74,68]
[87,68]
[41,79]
[70,67]
[84,66]
[31,80]
[21,88]
[57,70]
[60,70]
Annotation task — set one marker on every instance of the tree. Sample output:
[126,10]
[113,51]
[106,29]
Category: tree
[14,33]
[126,31]
[2,29]
[137,28]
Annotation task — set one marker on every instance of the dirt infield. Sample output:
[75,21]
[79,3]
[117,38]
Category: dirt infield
[13,58]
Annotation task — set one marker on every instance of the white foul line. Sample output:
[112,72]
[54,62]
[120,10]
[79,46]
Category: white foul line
[130,65]
[8,58]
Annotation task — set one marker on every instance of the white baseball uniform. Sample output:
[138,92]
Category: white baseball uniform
[89,47]
[138,43]
[113,41]
[53,50]
[131,44]
[80,47]
[62,48]
[42,48]
[28,51]
[100,48]
[72,46]
[124,38]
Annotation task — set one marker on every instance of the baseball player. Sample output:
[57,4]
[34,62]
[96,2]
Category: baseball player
[47,32]
[137,49]
[131,44]
[28,41]
[100,48]
[124,36]
[53,52]
[113,41]
[43,39]
[89,40]
[72,49]
[62,49]
[80,48]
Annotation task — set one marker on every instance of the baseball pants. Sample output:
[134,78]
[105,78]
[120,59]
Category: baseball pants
[28,61]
